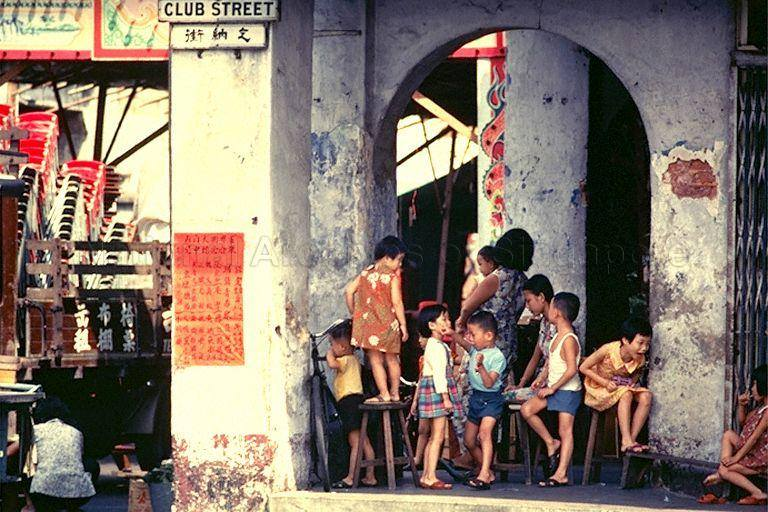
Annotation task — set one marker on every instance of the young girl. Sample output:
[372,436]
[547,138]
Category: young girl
[611,375]
[437,394]
[423,429]
[538,293]
[745,455]
[563,390]
[375,300]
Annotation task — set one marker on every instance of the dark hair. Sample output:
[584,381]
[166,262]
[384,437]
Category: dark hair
[568,304]
[489,254]
[429,314]
[759,376]
[389,246]
[342,330]
[633,326]
[514,250]
[485,321]
[51,408]
[539,284]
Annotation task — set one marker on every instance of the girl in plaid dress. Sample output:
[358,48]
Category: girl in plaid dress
[438,396]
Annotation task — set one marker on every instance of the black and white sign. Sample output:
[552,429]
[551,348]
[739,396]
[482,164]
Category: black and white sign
[204,36]
[219,11]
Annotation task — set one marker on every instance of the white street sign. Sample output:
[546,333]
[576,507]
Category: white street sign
[218,11]
[207,36]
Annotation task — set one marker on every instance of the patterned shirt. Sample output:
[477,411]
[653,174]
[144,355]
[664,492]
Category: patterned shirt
[507,305]
[60,471]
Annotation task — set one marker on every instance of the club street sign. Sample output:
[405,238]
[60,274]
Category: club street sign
[210,36]
[219,11]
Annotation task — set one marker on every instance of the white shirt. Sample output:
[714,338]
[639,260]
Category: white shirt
[557,365]
[435,364]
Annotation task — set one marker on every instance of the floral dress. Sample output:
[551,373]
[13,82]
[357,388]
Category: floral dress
[507,305]
[757,458]
[612,367]
[374,324]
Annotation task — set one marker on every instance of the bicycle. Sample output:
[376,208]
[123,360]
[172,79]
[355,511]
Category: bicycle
[321,397]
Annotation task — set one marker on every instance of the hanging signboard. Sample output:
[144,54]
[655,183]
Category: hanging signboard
[129,30]
[203,36]
[219,11]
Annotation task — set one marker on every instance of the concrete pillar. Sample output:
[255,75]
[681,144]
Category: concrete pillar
[240,157]
[545,152]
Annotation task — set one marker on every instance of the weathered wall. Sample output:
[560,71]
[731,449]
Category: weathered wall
[682,86]
[547,124]
[240,149]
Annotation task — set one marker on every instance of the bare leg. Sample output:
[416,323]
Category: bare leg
[727,446]
[353,438]
[432,453]
[470,441]
[486,441]
[642,410]
[737,475]
[379,373]
[421,441]
[370,476]
[624,414]
[530,411]
[565,427]
[393,370]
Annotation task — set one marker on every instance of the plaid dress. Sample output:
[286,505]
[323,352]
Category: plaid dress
[431,402]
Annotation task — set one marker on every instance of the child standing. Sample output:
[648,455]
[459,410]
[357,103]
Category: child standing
[348,390]
[538,293]
[486,403]
[745,455]
[437,394]
[611,375]
[375,300]
[563,390]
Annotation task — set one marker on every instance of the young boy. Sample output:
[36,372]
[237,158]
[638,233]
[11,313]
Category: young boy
[563,390]
[486,402]
[348,390]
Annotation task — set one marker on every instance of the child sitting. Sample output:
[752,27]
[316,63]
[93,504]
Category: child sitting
[375,300]
[437,394]
[538,293]
[611,375]
[348,390]
[563,390]
[486,403]
[745,455]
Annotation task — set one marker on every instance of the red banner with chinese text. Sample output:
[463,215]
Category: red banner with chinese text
[208,299]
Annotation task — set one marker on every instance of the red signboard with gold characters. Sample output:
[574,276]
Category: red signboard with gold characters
[208,299]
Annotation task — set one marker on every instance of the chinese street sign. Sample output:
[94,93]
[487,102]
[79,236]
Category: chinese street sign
[219,11]
[202,36]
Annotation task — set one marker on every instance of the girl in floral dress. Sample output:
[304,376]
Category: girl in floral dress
[374,299]
[745,455]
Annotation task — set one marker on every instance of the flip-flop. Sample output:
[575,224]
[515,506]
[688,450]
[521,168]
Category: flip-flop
[378,399]
[341,484]
[751,500]
[438,485]
[478,485]
[711,499]
[637,448]
[551,482]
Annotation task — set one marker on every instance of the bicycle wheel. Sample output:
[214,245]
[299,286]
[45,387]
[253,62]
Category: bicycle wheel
[320,437]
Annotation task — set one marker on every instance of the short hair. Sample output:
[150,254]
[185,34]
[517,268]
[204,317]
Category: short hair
[539,284]
[485,321]
[51,408]
[633,326]
[429,314]
[342,330]
[514,250]
[568,304]
[489,253]
[759,377]
[389,246]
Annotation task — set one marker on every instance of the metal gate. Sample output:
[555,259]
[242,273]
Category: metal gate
[751,264]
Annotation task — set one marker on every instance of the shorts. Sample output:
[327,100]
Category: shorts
[349,412]
[564,401]
[485,404]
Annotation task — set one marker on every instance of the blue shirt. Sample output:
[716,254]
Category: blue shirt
[493,360]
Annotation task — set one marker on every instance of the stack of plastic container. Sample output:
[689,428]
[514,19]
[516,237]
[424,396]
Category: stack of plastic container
[42,148]
[92,175]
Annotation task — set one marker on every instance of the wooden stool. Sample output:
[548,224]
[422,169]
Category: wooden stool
[389,453]
[593,464]
[503,463]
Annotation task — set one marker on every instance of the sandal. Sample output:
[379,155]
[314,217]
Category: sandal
[711,499]
[378,399]
[341,484]
[551,482]
[751,500]
[478,484]
[438,485]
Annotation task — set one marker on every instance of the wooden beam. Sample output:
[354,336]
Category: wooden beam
[140,145]
[63,118]
[444,116]
[424,146]
[13,72]
[122,118]
[101,105]
[450,180]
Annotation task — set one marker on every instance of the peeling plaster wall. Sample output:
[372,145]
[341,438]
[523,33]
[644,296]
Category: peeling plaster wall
[547,124]
[240,149]
[674,58]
